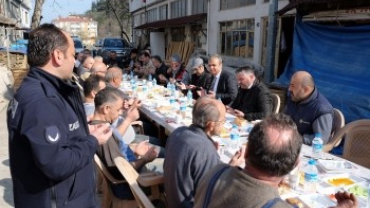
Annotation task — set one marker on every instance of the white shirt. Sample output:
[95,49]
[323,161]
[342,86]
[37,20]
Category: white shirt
[216,82]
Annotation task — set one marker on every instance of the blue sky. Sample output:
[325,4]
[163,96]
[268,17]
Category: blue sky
[54,8]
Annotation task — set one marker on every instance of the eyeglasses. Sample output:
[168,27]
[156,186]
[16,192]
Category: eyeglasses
[222,121]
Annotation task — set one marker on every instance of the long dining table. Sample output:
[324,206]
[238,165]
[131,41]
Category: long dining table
[157,107]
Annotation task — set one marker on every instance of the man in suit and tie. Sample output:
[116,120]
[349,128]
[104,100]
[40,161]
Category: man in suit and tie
[223,83]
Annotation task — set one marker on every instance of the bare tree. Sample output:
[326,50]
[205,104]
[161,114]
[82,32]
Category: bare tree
[36,17]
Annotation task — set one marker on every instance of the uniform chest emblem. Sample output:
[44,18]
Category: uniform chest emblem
[74,126]
[52,134]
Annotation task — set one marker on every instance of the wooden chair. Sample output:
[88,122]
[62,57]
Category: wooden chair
[357,141]
[338,123]
[147,180]
[275,103]
[139,126]
[109,200]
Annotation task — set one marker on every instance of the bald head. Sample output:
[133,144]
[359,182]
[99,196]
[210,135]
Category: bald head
[99,69]
[114,76]
[274,145]
[98,59]
[88,62]
[301,86]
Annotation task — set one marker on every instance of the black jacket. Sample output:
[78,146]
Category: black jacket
[255,103]
[50,149]
[161,70]
[202,81]
[227,88]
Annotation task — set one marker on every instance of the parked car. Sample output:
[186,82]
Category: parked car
[78,45]
[119,45]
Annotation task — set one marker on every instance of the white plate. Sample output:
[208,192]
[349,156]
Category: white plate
[336,166]
[317,201]
[355,179]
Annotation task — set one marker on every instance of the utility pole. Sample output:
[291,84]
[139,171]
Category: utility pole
[271,42]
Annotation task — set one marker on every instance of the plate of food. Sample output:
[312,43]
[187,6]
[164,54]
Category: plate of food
[296,202]
[359,191]
[343,180]
[317,201]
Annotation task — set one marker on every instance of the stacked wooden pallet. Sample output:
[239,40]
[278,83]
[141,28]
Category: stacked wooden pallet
[184,49]
[18,66]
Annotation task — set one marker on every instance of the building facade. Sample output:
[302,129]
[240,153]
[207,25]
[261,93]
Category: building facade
[14,19]
[83,27]
[235,29]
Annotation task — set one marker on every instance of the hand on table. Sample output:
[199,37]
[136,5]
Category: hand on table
[210,94]
[345,200]
[230,110]
[238,158]
[238,113]
[162,78]
[182,86]
[102,132]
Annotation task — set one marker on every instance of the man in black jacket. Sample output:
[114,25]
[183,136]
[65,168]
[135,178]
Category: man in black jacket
[223,83]
[253,101]
[51,149]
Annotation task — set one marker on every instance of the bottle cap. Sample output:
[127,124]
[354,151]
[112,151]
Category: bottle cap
[235,126]
[318,135]
[312,162]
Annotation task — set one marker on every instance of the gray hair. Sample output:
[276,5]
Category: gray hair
[112,73]
[217,57]
[176,58]
[107,95]
[205,110]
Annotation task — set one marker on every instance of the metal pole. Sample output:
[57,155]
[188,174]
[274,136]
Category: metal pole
[271,42]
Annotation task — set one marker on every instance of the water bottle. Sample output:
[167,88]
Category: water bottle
[169,85]
[154,82]
[132,75]
[133,86]
[317,144]
[124,77]
[234,137]
[183,107]
[145,88]
[150,77]
[310,177]
[189,97]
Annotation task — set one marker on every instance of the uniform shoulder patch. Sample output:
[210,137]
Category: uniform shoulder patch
[52,134]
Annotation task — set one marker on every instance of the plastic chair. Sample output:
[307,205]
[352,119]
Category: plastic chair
[338,123]
[275,103]
[357,142]
[109,200]
[134,179]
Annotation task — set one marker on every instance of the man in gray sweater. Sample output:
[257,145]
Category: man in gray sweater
[191,152]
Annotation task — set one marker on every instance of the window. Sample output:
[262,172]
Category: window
[199,6]
[178,8]
[237,38]
[151,15]
[230,4]
[137,20]
[163,12]
[143,20]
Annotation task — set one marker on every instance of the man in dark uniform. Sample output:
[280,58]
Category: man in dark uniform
[50,146]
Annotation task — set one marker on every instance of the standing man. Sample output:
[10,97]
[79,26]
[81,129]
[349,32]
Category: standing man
[191,152]
[50,147]
[253,101]
[223,83]
[310,110]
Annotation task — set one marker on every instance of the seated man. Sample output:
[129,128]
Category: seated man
[160,72]
[99,69]
[223,85]
[114,77]
[310,110]
[200,79]
[177,71]
[253,101]
[191,152]
[272,152]
[109,104]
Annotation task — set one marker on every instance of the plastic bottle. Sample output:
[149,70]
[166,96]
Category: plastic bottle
[150,77]
[154,82]
[183,107]
[310,177]
[133,87]
[189,97]
[132,75]
[234,137]
[317,144]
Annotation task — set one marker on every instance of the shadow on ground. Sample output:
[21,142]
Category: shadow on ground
[8,193]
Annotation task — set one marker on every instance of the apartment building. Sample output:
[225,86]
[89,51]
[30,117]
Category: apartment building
[81,26]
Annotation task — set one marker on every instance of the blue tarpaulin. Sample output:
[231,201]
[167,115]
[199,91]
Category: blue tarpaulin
[339,60]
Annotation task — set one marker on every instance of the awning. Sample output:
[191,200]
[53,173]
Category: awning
[308,6]
[7,21]
[174,22]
